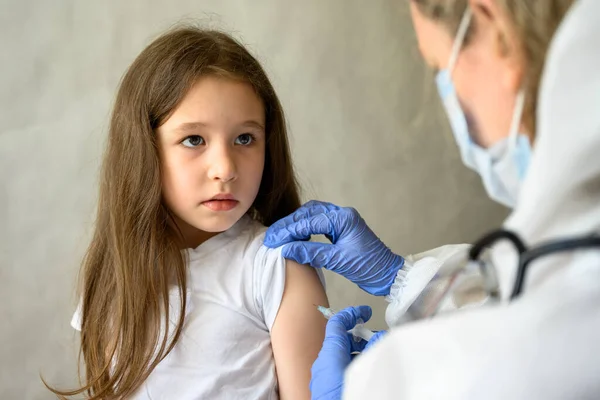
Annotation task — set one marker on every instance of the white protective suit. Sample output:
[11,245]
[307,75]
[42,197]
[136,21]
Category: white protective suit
[546,343]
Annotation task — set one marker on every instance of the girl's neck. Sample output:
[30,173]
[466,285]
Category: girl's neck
[196,237]
[192,236]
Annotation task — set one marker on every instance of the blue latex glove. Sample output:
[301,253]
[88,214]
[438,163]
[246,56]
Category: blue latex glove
[327,373]
[356,252]
[374,339]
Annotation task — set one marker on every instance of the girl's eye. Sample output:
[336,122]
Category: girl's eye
[244,139]
[193,141]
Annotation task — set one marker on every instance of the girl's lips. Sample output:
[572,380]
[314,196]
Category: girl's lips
[223,196]
[221,205]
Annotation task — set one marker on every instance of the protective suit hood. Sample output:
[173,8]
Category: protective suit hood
[560,196]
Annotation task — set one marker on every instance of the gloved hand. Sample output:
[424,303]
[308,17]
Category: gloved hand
[356,252]
[374,339]
[327,373]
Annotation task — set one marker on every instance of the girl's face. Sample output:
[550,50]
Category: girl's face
[212,152]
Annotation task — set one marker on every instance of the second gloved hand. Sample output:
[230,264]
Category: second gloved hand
[327,373]
[356,252]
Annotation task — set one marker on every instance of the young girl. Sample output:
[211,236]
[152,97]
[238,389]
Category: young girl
[180,300]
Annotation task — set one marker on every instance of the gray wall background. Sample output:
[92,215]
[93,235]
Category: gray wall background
[366,131]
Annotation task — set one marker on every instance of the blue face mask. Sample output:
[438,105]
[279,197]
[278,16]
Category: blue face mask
[502,167]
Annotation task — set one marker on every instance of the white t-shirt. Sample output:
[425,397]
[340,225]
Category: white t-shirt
[234,292]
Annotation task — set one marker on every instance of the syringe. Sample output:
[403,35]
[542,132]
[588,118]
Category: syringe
[359,330]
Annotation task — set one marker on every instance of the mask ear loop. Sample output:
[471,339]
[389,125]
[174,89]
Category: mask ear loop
[460,38]
[515,124]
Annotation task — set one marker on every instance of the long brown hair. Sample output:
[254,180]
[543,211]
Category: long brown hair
[135,254]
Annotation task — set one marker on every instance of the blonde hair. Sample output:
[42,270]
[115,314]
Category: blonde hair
[534,22]
[135,255]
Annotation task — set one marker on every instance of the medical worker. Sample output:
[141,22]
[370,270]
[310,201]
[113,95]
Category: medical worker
[520,81]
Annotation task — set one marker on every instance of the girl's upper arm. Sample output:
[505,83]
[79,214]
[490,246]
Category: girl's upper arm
[298,331]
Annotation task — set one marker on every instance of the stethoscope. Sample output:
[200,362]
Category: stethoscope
[476,284]
[526,256]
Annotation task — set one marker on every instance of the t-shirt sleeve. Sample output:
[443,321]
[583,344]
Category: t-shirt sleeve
[269,283]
